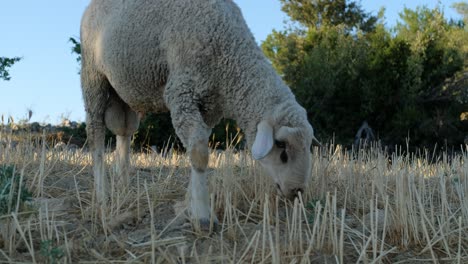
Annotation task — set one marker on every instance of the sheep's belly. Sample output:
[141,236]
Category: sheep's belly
[143,99]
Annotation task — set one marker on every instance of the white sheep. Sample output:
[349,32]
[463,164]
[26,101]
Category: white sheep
[198,60]
[364,136]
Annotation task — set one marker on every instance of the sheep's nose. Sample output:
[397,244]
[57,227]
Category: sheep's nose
[296,192]
[291,194]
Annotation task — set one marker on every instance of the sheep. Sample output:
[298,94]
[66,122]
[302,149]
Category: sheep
[64,147]
[364,136]
[198,60]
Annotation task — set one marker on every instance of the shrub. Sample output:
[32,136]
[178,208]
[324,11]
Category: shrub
[10,186]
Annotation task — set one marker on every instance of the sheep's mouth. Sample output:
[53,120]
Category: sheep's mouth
[291,196]
[296,192]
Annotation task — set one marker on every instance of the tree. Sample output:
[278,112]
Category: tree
[6,63]
[319,13]
[393,78]
[462,9]
[322,60]
[459,35]
[76,48]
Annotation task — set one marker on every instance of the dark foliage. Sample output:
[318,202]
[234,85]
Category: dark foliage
[11,189]
[397,80]
[6,63]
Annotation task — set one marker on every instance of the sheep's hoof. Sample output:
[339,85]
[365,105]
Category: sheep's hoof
[205,225]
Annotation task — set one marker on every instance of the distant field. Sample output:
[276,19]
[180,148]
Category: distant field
[360,207]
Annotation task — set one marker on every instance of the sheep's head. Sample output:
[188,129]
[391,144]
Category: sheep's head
[285,153]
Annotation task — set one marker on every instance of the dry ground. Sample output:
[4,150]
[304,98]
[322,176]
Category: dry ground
[364,207]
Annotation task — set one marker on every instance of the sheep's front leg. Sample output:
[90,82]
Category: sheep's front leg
[199,195]
[194,134]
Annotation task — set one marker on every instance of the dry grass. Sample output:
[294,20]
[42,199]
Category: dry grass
[358,208]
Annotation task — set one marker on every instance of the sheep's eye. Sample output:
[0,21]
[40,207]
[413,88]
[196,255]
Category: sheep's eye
[280,144]
[284,156]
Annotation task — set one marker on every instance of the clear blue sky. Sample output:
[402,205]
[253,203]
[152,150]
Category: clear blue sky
[46,79]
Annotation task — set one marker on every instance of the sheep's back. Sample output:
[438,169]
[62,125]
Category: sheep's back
[139,44]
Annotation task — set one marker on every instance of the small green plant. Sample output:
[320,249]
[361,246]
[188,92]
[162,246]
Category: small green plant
[10,185]
[51,252]
[311,206]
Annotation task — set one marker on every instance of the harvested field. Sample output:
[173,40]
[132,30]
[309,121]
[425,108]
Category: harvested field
[362,207]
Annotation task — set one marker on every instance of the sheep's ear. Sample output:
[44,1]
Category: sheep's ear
[263,140]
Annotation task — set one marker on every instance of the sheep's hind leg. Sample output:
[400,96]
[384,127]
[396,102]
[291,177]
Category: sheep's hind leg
[194,134]
[123,122]
[95,92]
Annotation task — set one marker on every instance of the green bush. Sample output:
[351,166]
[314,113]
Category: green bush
[10,185]
[395,79]
[50,252]
[157,130]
